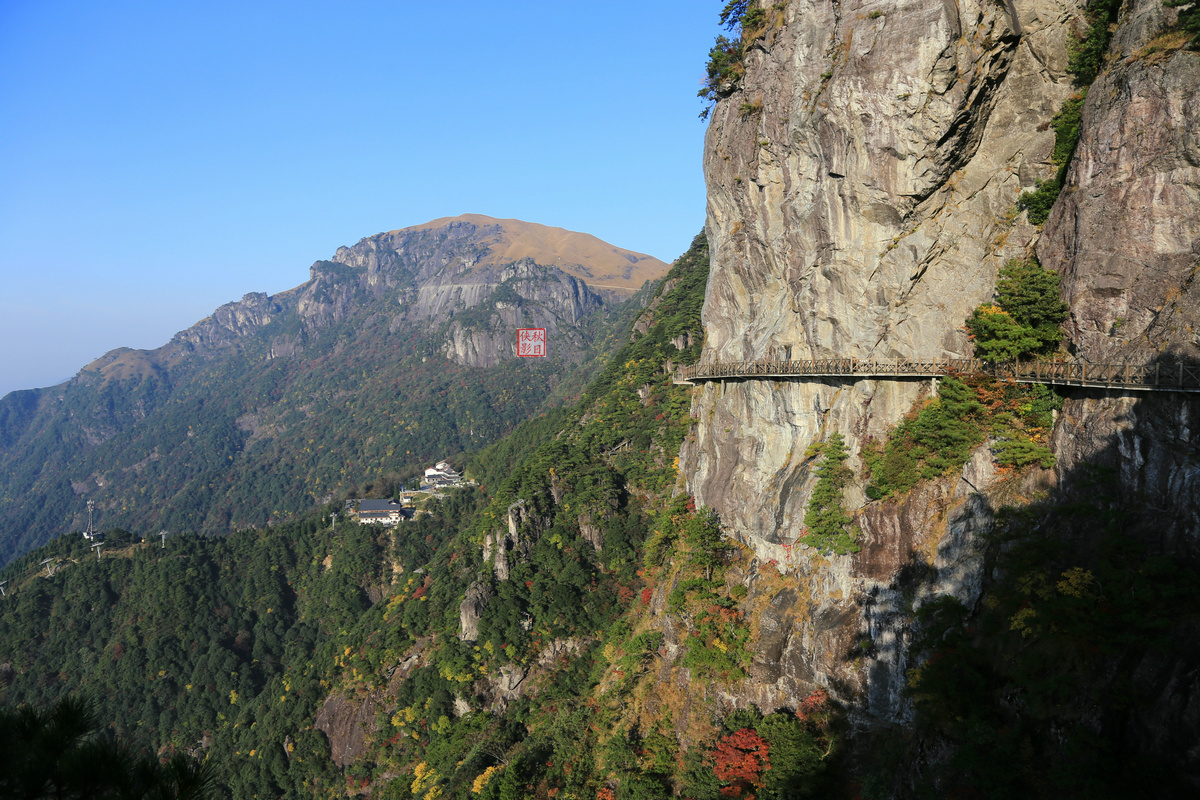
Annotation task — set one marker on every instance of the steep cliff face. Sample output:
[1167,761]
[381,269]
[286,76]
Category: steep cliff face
[1126,237]
[522,295]
[524,274]
[862,186]
[863,211]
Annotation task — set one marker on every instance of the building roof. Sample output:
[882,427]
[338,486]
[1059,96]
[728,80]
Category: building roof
[377,505]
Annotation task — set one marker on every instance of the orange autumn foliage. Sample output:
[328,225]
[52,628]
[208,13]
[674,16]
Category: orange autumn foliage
[740,759]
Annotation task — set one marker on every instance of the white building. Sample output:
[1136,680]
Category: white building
[381,512]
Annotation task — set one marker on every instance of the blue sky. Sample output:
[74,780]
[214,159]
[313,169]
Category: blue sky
[160,159]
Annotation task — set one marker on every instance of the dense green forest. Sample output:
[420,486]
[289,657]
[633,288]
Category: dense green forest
[217,647]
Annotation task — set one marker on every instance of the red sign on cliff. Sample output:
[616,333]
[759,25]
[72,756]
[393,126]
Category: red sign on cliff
[531,342]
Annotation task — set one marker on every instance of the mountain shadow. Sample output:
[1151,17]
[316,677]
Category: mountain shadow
[1073,669]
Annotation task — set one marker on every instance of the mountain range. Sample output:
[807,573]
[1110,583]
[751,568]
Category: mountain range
[398,351]
[840,580]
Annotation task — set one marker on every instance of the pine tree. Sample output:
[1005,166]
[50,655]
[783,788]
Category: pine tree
[1026,321]
[1030,295]
[1189,17]
[828,523]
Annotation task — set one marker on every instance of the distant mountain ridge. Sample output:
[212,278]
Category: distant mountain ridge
[399,350]
[438,268]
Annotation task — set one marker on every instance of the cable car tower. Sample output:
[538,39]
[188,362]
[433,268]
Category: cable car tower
[90,534]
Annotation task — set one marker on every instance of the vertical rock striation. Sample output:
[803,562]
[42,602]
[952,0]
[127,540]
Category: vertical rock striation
[1125,234]
[862,186]
[862,211]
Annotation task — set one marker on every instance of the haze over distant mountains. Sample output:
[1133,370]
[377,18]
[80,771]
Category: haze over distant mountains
[398,350]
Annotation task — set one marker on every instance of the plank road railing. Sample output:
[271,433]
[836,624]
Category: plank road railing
[1158,376]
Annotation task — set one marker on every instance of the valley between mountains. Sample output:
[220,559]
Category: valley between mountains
[839,586]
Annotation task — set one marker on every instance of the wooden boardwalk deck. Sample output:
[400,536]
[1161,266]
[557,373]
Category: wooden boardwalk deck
[1159,376]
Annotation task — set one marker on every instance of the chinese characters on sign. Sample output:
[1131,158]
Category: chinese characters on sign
[531,342]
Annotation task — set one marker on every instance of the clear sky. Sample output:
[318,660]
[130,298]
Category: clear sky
[160,159]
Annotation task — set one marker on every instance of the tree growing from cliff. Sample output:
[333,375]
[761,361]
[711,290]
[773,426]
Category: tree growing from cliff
[1085,60]
[1189,17]
[747,21]
[999,337]
[941,437]
[702,532]
[829,526]
[1025,321]
[1086,52]
[1066,124]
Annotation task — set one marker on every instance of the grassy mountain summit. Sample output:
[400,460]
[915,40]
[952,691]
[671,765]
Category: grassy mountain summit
[595,262]
[398,351]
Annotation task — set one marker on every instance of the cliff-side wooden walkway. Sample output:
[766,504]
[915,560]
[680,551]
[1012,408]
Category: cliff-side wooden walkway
[1159,376]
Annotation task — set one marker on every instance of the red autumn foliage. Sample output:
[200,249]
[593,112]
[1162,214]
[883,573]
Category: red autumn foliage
[647,593]
[740,760]
[814,708]
[606,793]
[724,614]
[625,594]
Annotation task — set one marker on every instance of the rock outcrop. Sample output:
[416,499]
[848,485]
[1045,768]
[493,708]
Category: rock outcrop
[1125,234]
[863,211]
[523,295]
[862,186]
[471,610]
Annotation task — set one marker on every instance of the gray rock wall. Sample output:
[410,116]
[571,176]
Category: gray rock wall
[862,187]
[863,211]
[1125,234]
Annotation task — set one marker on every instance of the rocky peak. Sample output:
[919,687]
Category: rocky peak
[462,244]
[527,275]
